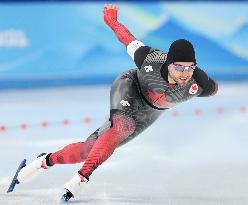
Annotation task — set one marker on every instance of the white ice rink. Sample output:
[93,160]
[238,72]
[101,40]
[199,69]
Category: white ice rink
[182,160]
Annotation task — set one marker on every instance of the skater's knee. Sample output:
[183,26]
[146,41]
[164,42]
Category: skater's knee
[123,124]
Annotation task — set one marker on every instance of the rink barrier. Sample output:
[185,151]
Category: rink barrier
[220,111]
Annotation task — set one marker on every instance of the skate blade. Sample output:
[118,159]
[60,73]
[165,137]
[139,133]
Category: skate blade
[66,197]
[15,180]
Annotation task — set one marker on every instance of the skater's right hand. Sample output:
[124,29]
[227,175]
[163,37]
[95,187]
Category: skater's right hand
[110,14]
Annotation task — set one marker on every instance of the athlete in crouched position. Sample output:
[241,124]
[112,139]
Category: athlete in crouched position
[138,97]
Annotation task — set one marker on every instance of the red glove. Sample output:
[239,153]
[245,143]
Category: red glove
[110,14]
[110,18]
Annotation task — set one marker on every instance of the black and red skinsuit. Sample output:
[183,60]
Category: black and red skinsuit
[137,98]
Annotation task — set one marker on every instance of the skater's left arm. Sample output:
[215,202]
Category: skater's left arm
[209,86]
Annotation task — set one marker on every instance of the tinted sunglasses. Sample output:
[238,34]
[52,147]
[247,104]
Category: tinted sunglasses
[182,68]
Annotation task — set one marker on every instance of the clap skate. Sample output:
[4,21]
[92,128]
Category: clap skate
[25,172]
[73,186]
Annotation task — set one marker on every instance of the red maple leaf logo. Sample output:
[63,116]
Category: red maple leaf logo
[194,87]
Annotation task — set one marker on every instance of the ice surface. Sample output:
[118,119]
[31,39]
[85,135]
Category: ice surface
[184,160]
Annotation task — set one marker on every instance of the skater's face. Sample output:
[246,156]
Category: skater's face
[180,72]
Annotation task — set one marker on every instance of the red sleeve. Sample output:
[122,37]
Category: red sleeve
[122,33]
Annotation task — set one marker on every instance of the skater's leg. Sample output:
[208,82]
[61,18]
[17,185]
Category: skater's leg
[72,153]
[122,127]
[77,152]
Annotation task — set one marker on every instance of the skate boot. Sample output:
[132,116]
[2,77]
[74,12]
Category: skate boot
[73,186]
[31,170]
